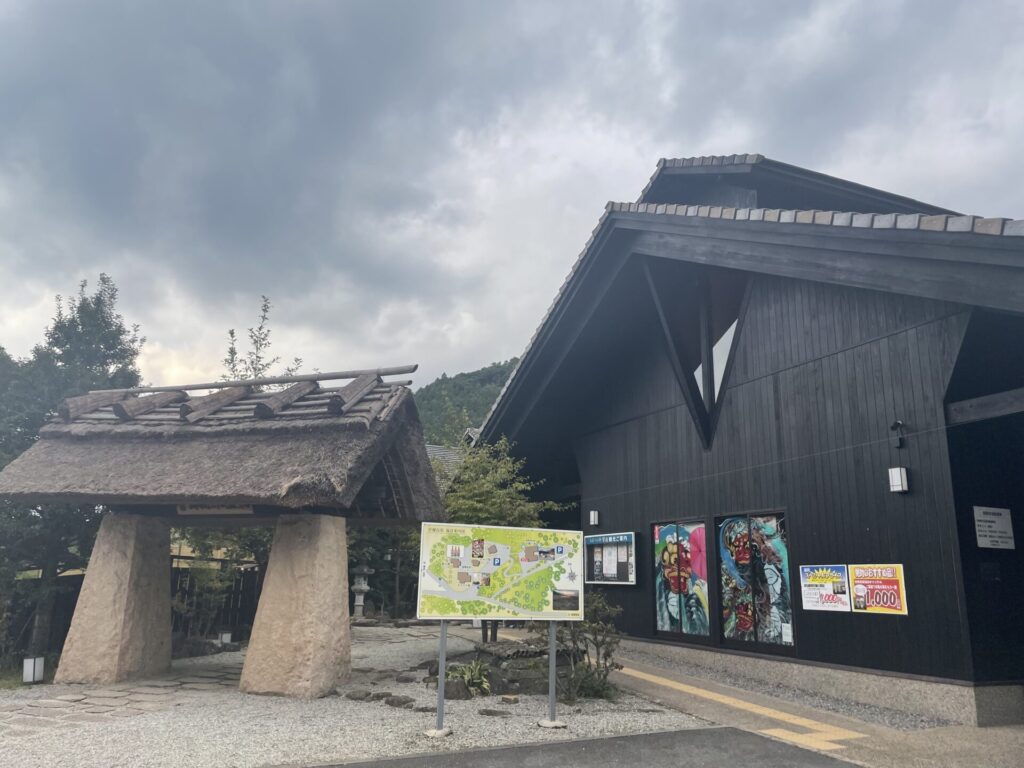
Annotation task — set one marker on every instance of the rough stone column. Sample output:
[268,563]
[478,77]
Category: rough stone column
[300,639]
[121,629]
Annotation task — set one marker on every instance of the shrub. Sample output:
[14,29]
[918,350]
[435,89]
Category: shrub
[473,674]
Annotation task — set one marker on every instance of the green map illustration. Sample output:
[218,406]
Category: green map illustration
[491,572]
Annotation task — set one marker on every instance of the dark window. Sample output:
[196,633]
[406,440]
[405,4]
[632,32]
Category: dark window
[699,309]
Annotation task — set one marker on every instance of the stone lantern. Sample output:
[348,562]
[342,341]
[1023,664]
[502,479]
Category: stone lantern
[360,588]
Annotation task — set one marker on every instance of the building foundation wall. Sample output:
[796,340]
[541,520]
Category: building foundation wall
[300,639]
[121,629]
[962,703]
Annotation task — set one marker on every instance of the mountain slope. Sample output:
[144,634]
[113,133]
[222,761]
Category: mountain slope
[451,404]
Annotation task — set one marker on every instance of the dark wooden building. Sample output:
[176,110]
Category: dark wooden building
[731,370]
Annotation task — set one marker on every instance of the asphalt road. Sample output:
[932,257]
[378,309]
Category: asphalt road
[697,748]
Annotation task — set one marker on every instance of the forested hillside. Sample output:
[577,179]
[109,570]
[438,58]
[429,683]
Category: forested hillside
[450,404]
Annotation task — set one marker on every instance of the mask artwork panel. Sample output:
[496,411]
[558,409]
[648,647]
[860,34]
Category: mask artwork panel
[754,556]
[680,578]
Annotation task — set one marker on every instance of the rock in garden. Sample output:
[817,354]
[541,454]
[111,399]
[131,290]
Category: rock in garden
[405,678]
[455,690]
[509,699]
[425,709]
[380,695]
[360,695]
[402,702]
[495,713]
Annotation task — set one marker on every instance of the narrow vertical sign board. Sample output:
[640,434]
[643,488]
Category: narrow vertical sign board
[994,528]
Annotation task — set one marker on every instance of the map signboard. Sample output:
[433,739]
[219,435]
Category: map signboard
[610,558]
[493,572]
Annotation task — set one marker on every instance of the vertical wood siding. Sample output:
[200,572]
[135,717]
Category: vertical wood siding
[819,375]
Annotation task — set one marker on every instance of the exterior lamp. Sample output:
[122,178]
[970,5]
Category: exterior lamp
[898,480]
[593,517]
[33,669]
[225,637]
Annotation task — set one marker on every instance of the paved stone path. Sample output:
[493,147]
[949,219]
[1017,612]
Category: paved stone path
[696,748]
[90,704]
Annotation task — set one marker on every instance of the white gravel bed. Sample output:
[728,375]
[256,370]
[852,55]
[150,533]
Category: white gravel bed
[220,729]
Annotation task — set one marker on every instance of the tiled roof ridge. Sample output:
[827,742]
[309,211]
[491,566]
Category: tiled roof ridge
[904,221]
[699,161]
[900,221]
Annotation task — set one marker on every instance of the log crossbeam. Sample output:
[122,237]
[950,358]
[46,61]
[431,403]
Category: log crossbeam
[986,407]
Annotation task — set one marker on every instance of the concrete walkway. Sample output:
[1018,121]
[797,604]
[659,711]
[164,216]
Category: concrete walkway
[794,722]
[700,748]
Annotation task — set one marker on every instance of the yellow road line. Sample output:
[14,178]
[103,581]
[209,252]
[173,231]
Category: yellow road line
[822,735]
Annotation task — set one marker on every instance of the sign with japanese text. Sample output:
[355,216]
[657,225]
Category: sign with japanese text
[824,588]
[878,589]
[994,528]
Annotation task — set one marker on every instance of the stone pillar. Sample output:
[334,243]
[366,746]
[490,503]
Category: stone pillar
[300,639]
[121,629]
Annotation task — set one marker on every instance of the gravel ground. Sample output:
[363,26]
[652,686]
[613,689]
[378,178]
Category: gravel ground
[662,656]
[213,728]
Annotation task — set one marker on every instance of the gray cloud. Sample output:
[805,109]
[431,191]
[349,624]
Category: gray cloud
[412,179]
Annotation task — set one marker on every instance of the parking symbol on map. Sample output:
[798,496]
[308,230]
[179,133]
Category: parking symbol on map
[497,561]
[560,549]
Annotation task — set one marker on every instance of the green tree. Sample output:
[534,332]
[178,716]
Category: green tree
[257,361]
[87,346]
[451,404]
[254,363]
[490,487]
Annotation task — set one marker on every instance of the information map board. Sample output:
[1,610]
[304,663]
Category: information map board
[493,572]
[610,558]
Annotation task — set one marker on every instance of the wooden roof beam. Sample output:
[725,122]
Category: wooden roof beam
[128,409]
[331,376]
[352,393]
[198,408]
[986,407]
[73,407]
[273,405]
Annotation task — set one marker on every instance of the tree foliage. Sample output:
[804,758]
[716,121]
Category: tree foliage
[256,362]
[490,487]
[88,345]
[451,404]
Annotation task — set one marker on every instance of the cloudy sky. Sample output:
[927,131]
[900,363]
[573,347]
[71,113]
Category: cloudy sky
[410,181]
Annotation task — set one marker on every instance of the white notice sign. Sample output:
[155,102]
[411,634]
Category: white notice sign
[993,527]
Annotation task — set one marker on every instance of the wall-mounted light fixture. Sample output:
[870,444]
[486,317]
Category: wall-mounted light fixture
[897,429]
[33,669]
[225,637]
[593,517]
[898,480]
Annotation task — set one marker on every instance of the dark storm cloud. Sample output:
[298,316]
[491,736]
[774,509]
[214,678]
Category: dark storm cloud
[447,159]
[246,133]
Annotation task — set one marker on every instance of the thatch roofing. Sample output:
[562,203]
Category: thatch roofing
[357,448]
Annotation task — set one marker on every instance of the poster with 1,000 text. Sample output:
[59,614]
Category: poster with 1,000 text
[878,588]
[824,588]
[493,572]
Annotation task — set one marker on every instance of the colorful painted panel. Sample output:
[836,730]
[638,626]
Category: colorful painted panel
[680,578]
[754,572]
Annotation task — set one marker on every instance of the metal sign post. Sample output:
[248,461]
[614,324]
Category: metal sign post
[552,721]
[440,731]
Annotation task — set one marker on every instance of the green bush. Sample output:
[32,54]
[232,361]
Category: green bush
[473,674]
